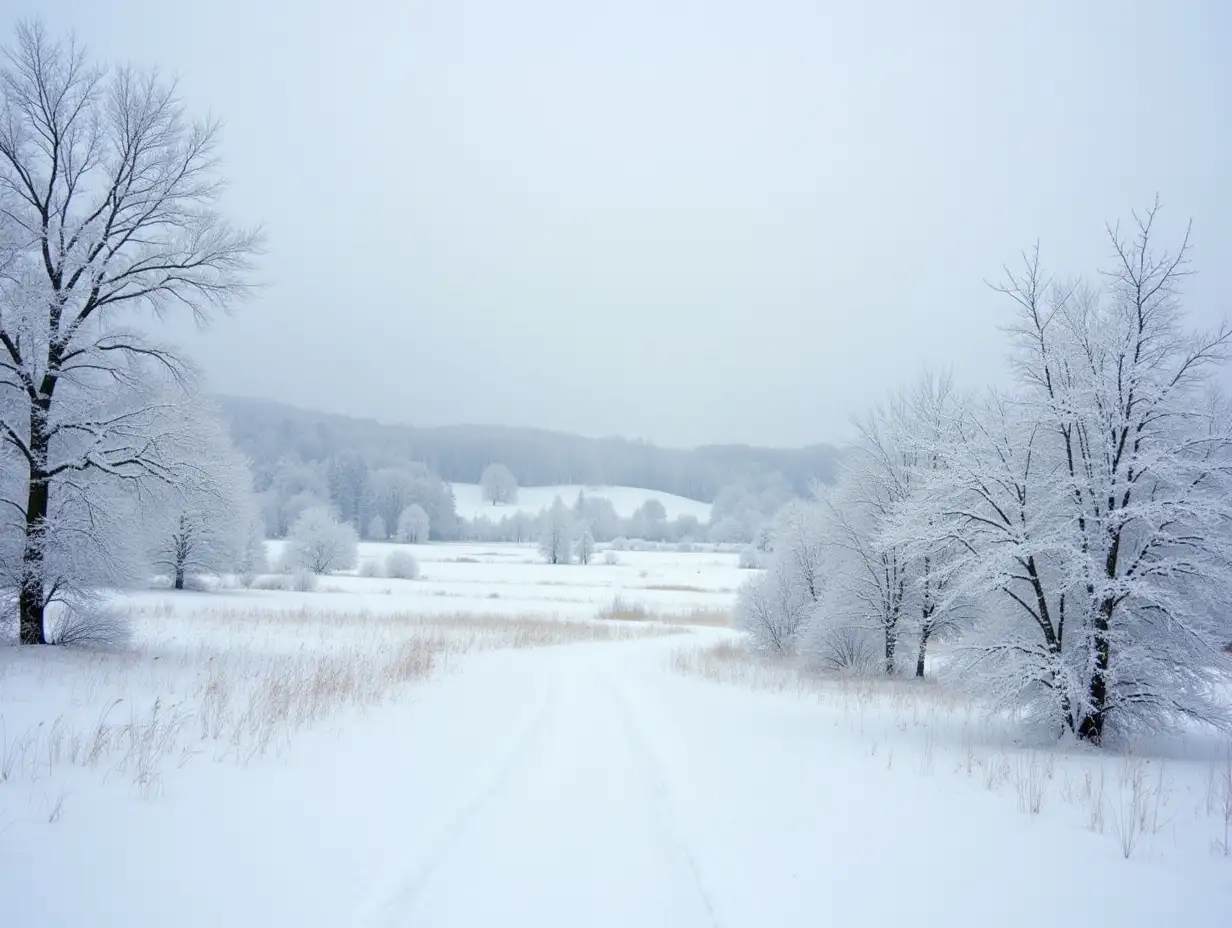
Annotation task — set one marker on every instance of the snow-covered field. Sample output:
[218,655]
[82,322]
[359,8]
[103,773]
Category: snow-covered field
[531,500]
[390,752]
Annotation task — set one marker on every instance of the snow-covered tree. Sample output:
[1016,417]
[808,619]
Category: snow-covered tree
[1121,393]
[391,490]
[910,438]
[556,535]
[728,530]
[774,610]
[290,488]
[870,579]
[253,557]
[376,529]
[1092,507]
[800,544]
[108,208]
[413,525]
[499,485]
[320,543]
[599,513]
[649,521]
[348,485]
[205,527]
[585,547]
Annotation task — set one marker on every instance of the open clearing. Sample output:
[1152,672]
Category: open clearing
[477,748]
[532,500]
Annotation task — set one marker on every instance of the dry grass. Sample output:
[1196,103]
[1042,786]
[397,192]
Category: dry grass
[236,685]
[623,610]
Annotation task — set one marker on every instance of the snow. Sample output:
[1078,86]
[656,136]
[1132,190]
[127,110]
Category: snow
[662,780]
[531,500]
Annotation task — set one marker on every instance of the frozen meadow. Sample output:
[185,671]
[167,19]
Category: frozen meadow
[505,741]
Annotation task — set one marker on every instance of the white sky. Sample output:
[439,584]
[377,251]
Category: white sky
[682,221]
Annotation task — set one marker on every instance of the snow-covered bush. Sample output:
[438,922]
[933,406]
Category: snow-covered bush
[370,568]
[301,580]
[376,529]
[611,558]
[88,624]
[834,646]
[773,609]
[401,565]
[320,543]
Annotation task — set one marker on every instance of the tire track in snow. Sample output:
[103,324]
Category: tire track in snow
[394,907]
[661,811]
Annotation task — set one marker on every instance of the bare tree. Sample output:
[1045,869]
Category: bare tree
[107,195]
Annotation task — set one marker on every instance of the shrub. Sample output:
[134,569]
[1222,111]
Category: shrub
[401,565]
[88,625]
[370,568]
[302,581]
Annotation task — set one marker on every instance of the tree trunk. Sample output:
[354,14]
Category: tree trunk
[31,607]
[891,639]
[1091,727]
[179,578]
[919,661]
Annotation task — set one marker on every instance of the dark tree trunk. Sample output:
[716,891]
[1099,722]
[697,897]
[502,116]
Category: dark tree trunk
[179,578]
[891,640]
[1091,728]
[919,661]
[31,605]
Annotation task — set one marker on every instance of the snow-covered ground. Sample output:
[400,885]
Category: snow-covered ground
[531,500]
[389,752]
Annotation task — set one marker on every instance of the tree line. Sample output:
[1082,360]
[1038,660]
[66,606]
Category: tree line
[1068,542]
[269,432]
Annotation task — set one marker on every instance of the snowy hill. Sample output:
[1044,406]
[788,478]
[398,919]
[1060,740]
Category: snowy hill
[531,500]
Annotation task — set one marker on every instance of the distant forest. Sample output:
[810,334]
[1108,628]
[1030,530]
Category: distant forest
[269,432]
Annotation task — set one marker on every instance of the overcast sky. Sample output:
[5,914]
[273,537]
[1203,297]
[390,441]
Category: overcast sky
[680,221]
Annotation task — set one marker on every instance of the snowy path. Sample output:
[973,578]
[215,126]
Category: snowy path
[589,785]
[575,822]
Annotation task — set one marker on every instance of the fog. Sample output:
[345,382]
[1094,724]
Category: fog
[685,222]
